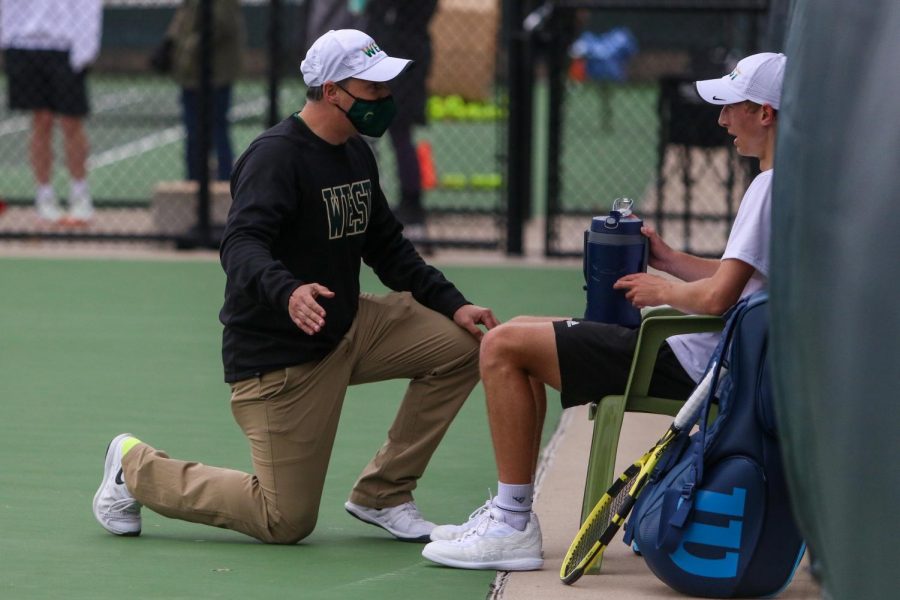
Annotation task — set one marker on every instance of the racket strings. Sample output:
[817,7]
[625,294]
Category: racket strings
[600,523]
[620,498]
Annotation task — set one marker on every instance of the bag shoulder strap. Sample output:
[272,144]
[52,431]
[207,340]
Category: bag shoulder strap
[678,503]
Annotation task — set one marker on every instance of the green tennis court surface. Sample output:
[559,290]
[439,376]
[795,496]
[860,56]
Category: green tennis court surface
[89,349]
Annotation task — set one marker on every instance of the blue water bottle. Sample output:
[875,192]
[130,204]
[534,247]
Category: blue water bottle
[613,247]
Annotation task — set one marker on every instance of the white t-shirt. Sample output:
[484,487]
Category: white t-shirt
[53,25]
[748,242]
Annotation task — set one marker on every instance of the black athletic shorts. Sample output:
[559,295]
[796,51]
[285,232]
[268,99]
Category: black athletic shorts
[44,80]
[595,359]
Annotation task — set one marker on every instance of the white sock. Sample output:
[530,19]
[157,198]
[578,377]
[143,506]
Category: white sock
[44,191]
[78,187]
[514,502]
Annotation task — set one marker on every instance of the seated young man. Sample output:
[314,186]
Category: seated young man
[587,360]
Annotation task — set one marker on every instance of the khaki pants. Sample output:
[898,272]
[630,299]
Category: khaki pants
[290,417]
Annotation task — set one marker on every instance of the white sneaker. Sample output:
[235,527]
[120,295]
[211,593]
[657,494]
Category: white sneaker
[46,205]
[452,532]
[81,207]
[114,506]
[403,522]
[491,544]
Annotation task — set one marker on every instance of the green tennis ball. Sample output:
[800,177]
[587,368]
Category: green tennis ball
[436,108]
[473,112]
[486,113]
[454,101]
[489,181]
[453,181]
[437,112]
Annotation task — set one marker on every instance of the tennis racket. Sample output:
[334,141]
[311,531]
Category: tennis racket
[613,508]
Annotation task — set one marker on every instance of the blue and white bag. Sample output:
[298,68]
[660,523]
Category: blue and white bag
[715,520]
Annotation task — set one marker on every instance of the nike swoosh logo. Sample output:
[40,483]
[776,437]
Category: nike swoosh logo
[717,98]
[119,479]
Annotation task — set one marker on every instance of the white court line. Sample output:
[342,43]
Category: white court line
[15,125]
[136,147]
[162,138]
[103,103]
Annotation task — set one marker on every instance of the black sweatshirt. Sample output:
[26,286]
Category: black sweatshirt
[306,211]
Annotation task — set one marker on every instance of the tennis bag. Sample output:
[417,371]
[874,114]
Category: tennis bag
[715,519]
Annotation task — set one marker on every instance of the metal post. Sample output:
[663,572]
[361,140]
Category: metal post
[556,79]
[205,114]
[200,236]
[274,74]
[664,110]
[520,79]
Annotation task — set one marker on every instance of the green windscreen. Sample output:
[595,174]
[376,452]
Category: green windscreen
[836,285]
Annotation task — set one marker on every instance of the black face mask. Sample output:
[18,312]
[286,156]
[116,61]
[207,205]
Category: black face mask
[371,117]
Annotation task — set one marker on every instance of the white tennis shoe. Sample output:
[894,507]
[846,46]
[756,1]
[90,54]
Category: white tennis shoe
[81,207]
[404,522]
[47,206]
[452,532]
[114,506]
[491,544]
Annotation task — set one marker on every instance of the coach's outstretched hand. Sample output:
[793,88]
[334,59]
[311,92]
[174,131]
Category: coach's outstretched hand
[469,316]
[305,312]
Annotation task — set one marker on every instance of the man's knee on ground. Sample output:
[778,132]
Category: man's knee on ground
[287,533]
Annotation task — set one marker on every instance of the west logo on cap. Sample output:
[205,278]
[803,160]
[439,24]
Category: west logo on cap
[371,50]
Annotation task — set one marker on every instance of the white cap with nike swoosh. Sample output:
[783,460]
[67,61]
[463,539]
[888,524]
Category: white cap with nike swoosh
[757,78]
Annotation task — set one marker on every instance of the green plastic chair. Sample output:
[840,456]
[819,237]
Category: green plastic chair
[658,323]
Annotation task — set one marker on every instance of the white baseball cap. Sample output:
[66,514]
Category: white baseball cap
[344,53]
[756,78]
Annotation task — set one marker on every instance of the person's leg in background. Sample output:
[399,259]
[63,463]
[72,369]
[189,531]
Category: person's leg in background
[40,152]
[189,116]
[221,132]
[81,206]
[70,103]
[30,88]
[409,211]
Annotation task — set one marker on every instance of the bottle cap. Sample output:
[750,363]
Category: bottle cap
[623,206]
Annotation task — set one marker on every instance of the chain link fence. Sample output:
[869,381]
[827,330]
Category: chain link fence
[102,116]
[625,120]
